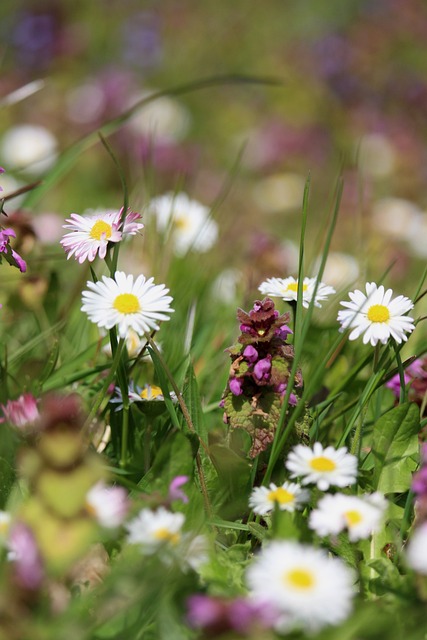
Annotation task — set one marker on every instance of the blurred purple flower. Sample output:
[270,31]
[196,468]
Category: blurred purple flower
[175,491]
[141,40]
[218,615]
[23,552]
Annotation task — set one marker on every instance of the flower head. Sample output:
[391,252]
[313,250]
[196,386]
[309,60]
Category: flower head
[324,467]
[175,491]
[9,254]
[186,220]
[360,515]
[287,289]
[91,234]
[24,554]
[126,304]
[147,393]
[22,412]
[309,588]
[109,505]
[154,529]
[376,315]
[288,497]
[217,615]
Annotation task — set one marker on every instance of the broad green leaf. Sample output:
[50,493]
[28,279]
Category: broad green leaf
[395,448]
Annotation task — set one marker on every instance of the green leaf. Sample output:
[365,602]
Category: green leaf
[395,448]
[193,401]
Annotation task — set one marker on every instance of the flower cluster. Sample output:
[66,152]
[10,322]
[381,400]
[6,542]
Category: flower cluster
[259,373]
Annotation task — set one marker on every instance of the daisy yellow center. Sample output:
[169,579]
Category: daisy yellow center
[99,229]
[281,496]
[127,303]
[300,579]
[181,223]
[293,286]
[320,463]
[164,535]
[152,392]
[352,517]
[378,313]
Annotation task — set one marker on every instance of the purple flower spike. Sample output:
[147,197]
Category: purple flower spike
[262,368]
[236,386]
[250,354]
[175,491]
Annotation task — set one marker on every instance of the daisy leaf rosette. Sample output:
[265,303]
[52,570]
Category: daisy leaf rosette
[376,315]
[90,234]
[127,304]
[323,467]
[287,289]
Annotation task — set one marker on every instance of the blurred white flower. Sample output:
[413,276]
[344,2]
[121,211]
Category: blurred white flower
[154,529]
[224,288]
[282,192]
[309,588]
[165,118]
[187,221]
[416,555]
[417,236]
[324,467]
[289,496]
[341,269]
[360,515]
[376,155]
[30,148]
[287,289]
[109,505]
[395,217]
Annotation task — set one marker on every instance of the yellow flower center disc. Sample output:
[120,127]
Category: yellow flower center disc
[99,229]
[300,579]
[151,393]
[127,303]
[281,496]
[378,313]
[164,535]
[322,464]
[352,517]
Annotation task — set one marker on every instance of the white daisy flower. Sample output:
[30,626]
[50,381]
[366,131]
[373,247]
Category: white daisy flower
[90,234]
[324,467]
[360,515]
[376,315]
[306,586]
[155,529]
[289,496]
[186,220]
[126,304]
[30,148]
[416,556]
[287,289]
[109,505]
[149,392]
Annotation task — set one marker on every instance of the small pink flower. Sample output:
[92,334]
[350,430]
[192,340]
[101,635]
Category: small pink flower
[10,255]
[90,235]
[24,553]
[109,505]
[22,412]
[175,491]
